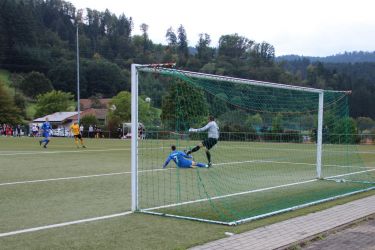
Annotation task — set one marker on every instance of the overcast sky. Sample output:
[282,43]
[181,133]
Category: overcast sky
[302,27]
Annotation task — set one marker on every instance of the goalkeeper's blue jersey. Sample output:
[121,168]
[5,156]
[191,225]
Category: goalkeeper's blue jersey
[179,158]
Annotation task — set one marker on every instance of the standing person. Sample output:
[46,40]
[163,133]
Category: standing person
[34,130]
[76,131]
[18,129]
[180,158]
[81,128]
[96,132]
[208,143]
[46,128]
[91,131]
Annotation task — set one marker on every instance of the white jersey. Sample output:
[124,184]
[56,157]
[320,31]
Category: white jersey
[213,129]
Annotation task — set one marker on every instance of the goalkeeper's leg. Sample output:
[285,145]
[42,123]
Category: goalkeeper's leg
[208,154]
[195,149]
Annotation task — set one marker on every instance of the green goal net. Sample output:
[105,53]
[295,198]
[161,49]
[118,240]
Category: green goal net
[280,147]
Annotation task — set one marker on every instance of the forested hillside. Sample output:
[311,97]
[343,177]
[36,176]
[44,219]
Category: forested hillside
[38,41]
[346,57]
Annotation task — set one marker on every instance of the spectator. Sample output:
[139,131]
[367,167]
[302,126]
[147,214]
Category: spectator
[18,130]
[34,130]
[91,131]
[81,128]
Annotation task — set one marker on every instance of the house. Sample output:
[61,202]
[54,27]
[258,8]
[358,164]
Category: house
[100,114]
[102,103]
[60,121]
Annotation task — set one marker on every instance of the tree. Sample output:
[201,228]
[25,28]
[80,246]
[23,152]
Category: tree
[120,107]
[182,45]
[183,107]
[120,110]
[277,124]
[9,113]
[35,83]
[204,52]
[88,120]
[171,37]
[54,101]
[144,29]
[104,77]
[254,121]
[234,46]
[365,123]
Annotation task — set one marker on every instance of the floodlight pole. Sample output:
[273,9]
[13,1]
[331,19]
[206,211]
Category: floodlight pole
[78,92]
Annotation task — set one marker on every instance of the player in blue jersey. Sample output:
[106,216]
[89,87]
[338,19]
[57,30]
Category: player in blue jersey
[46,127]
[182,160]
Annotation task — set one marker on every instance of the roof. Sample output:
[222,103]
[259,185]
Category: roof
[87,103]
[100,114]
[56,117]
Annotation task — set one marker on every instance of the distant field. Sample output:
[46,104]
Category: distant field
[40,187]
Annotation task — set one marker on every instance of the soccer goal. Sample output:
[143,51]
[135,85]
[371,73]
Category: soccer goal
[281,147]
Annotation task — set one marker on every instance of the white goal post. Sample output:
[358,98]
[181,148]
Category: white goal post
[135,68]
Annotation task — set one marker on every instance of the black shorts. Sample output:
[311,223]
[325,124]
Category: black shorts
[209,142]
[79,136]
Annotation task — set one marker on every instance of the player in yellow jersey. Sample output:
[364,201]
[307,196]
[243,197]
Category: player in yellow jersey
[77,135]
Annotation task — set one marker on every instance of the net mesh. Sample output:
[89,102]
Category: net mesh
[265,160]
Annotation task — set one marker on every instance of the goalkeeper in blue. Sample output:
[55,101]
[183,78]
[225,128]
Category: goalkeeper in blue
[208,143]
[46,127]
[182,160]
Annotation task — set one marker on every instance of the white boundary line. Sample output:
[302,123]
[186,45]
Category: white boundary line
[71,151]
[229,195]
[252,191]
[68,151]
[161,169]
[76,177]
[34,229]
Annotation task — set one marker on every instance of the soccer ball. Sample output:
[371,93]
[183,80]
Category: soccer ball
[148,99]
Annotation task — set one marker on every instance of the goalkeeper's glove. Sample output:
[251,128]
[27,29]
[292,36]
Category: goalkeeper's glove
[192,130]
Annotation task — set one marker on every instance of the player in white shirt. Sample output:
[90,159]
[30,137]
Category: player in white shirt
[208,143]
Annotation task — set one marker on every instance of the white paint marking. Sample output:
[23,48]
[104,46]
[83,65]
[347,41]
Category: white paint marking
[34,229]
[160,169]
[75,177]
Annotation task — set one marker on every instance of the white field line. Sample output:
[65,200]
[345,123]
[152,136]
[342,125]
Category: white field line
[77,177]
[341,175]
[161,169]
[327,151]
[287,162]
[72,151]
[34,229]
[230,195]
[250,191]
[300,150]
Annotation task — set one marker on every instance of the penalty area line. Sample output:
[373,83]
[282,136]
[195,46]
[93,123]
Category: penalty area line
[34,229]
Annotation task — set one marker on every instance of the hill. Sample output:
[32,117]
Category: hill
[346,57]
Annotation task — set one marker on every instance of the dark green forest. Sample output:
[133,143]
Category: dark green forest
[38,44]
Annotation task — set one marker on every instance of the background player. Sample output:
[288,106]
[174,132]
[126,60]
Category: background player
[46,129]
[180,159]
[77,134]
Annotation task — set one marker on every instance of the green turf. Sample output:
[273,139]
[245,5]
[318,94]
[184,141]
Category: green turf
[30,205]
[234,188]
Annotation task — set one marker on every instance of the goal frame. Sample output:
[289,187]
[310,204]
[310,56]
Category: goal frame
[136,68]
